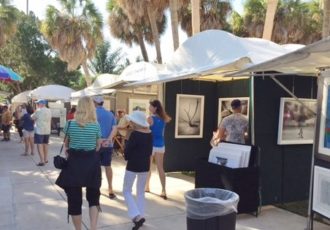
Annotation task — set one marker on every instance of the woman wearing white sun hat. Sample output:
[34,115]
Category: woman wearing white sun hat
[137,154]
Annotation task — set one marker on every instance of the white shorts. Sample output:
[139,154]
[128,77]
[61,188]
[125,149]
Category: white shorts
[28,134]
[158,149]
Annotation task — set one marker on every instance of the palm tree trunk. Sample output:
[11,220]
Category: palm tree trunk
[142,47]
[155,33]
[174,23]
[195,16]
[326,19]
[87,75]
[269,20]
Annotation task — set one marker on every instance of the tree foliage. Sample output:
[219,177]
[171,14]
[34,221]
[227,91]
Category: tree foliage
[8,21]
[74,32]
[30,56]
[106,60]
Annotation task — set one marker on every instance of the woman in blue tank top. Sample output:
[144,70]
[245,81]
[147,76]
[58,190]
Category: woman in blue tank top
[157,122]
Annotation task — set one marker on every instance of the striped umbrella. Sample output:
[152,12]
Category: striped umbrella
[8,75]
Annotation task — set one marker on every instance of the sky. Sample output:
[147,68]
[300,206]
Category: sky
[39,8]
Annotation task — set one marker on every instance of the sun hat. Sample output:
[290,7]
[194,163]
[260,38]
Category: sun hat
[98,99]
[139,118]
[41,101]
[235,104]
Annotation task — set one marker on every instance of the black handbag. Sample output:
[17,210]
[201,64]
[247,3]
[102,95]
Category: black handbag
[59,161]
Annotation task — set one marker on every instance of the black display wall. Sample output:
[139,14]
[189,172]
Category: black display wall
[181,154]
[284,169]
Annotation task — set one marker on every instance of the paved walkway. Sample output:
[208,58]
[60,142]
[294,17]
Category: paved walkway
[30,201]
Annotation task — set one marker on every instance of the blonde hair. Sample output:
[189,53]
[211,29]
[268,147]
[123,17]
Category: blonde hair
[85,112]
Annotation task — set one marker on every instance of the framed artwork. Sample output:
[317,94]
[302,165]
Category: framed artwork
[138,104]
[224,107]
[324,132]
[321,191]
[189,116]
[296,122]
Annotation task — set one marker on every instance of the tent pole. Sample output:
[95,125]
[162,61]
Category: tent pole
[252,110]
[291,94]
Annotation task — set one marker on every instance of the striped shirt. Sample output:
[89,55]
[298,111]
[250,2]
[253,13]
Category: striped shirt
[83,138]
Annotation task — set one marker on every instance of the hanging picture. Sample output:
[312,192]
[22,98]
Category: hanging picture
[324,134]
[189,116]
[296,121]
[224,107]
[138,104]
[321,191]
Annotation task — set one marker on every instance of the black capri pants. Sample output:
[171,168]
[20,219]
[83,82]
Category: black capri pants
[74,195]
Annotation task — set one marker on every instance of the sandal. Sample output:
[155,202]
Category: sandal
[40,164]
[112,196]
[24,154]
[163,196]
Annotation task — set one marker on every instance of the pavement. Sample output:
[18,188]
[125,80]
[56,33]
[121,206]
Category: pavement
[30,201]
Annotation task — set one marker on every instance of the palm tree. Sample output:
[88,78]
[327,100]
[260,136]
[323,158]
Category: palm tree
[195,16]
[136,9]
[106,60]
[174,22]
[74,32]
[123,29]
[326,19]
[295,21]
[213,15]
[8,21]
[269,21]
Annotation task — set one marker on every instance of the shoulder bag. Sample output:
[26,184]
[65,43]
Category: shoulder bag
[59,161]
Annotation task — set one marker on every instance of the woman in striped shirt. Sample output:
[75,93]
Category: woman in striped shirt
[83,170]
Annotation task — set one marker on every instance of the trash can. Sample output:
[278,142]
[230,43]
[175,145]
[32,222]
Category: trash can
[211,209]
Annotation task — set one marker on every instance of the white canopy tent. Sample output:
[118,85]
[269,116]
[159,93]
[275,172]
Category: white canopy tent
[52,93]
[211,54]
[132,73]
[21,97]
[305,61]
[90,91]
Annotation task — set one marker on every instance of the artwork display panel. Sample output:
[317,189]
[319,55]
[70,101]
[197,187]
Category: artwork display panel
[321,191]
[224,107]
[189,116]
[138,104]
[324,132]
[296,123]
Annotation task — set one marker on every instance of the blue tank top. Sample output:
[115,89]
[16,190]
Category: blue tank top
[157,130]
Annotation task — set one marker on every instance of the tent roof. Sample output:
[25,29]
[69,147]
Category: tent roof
[90,91]
[105,80]
[305,61]
[21,97]
[52,92]
[211,54]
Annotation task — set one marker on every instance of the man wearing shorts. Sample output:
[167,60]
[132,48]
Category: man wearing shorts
[42,118]
[107,122]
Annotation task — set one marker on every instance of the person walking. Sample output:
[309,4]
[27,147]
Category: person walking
[157,122]
[6,123]
[83,168]
[28,131]
[137,154]
[42,122]
[233,128]
[107,122]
